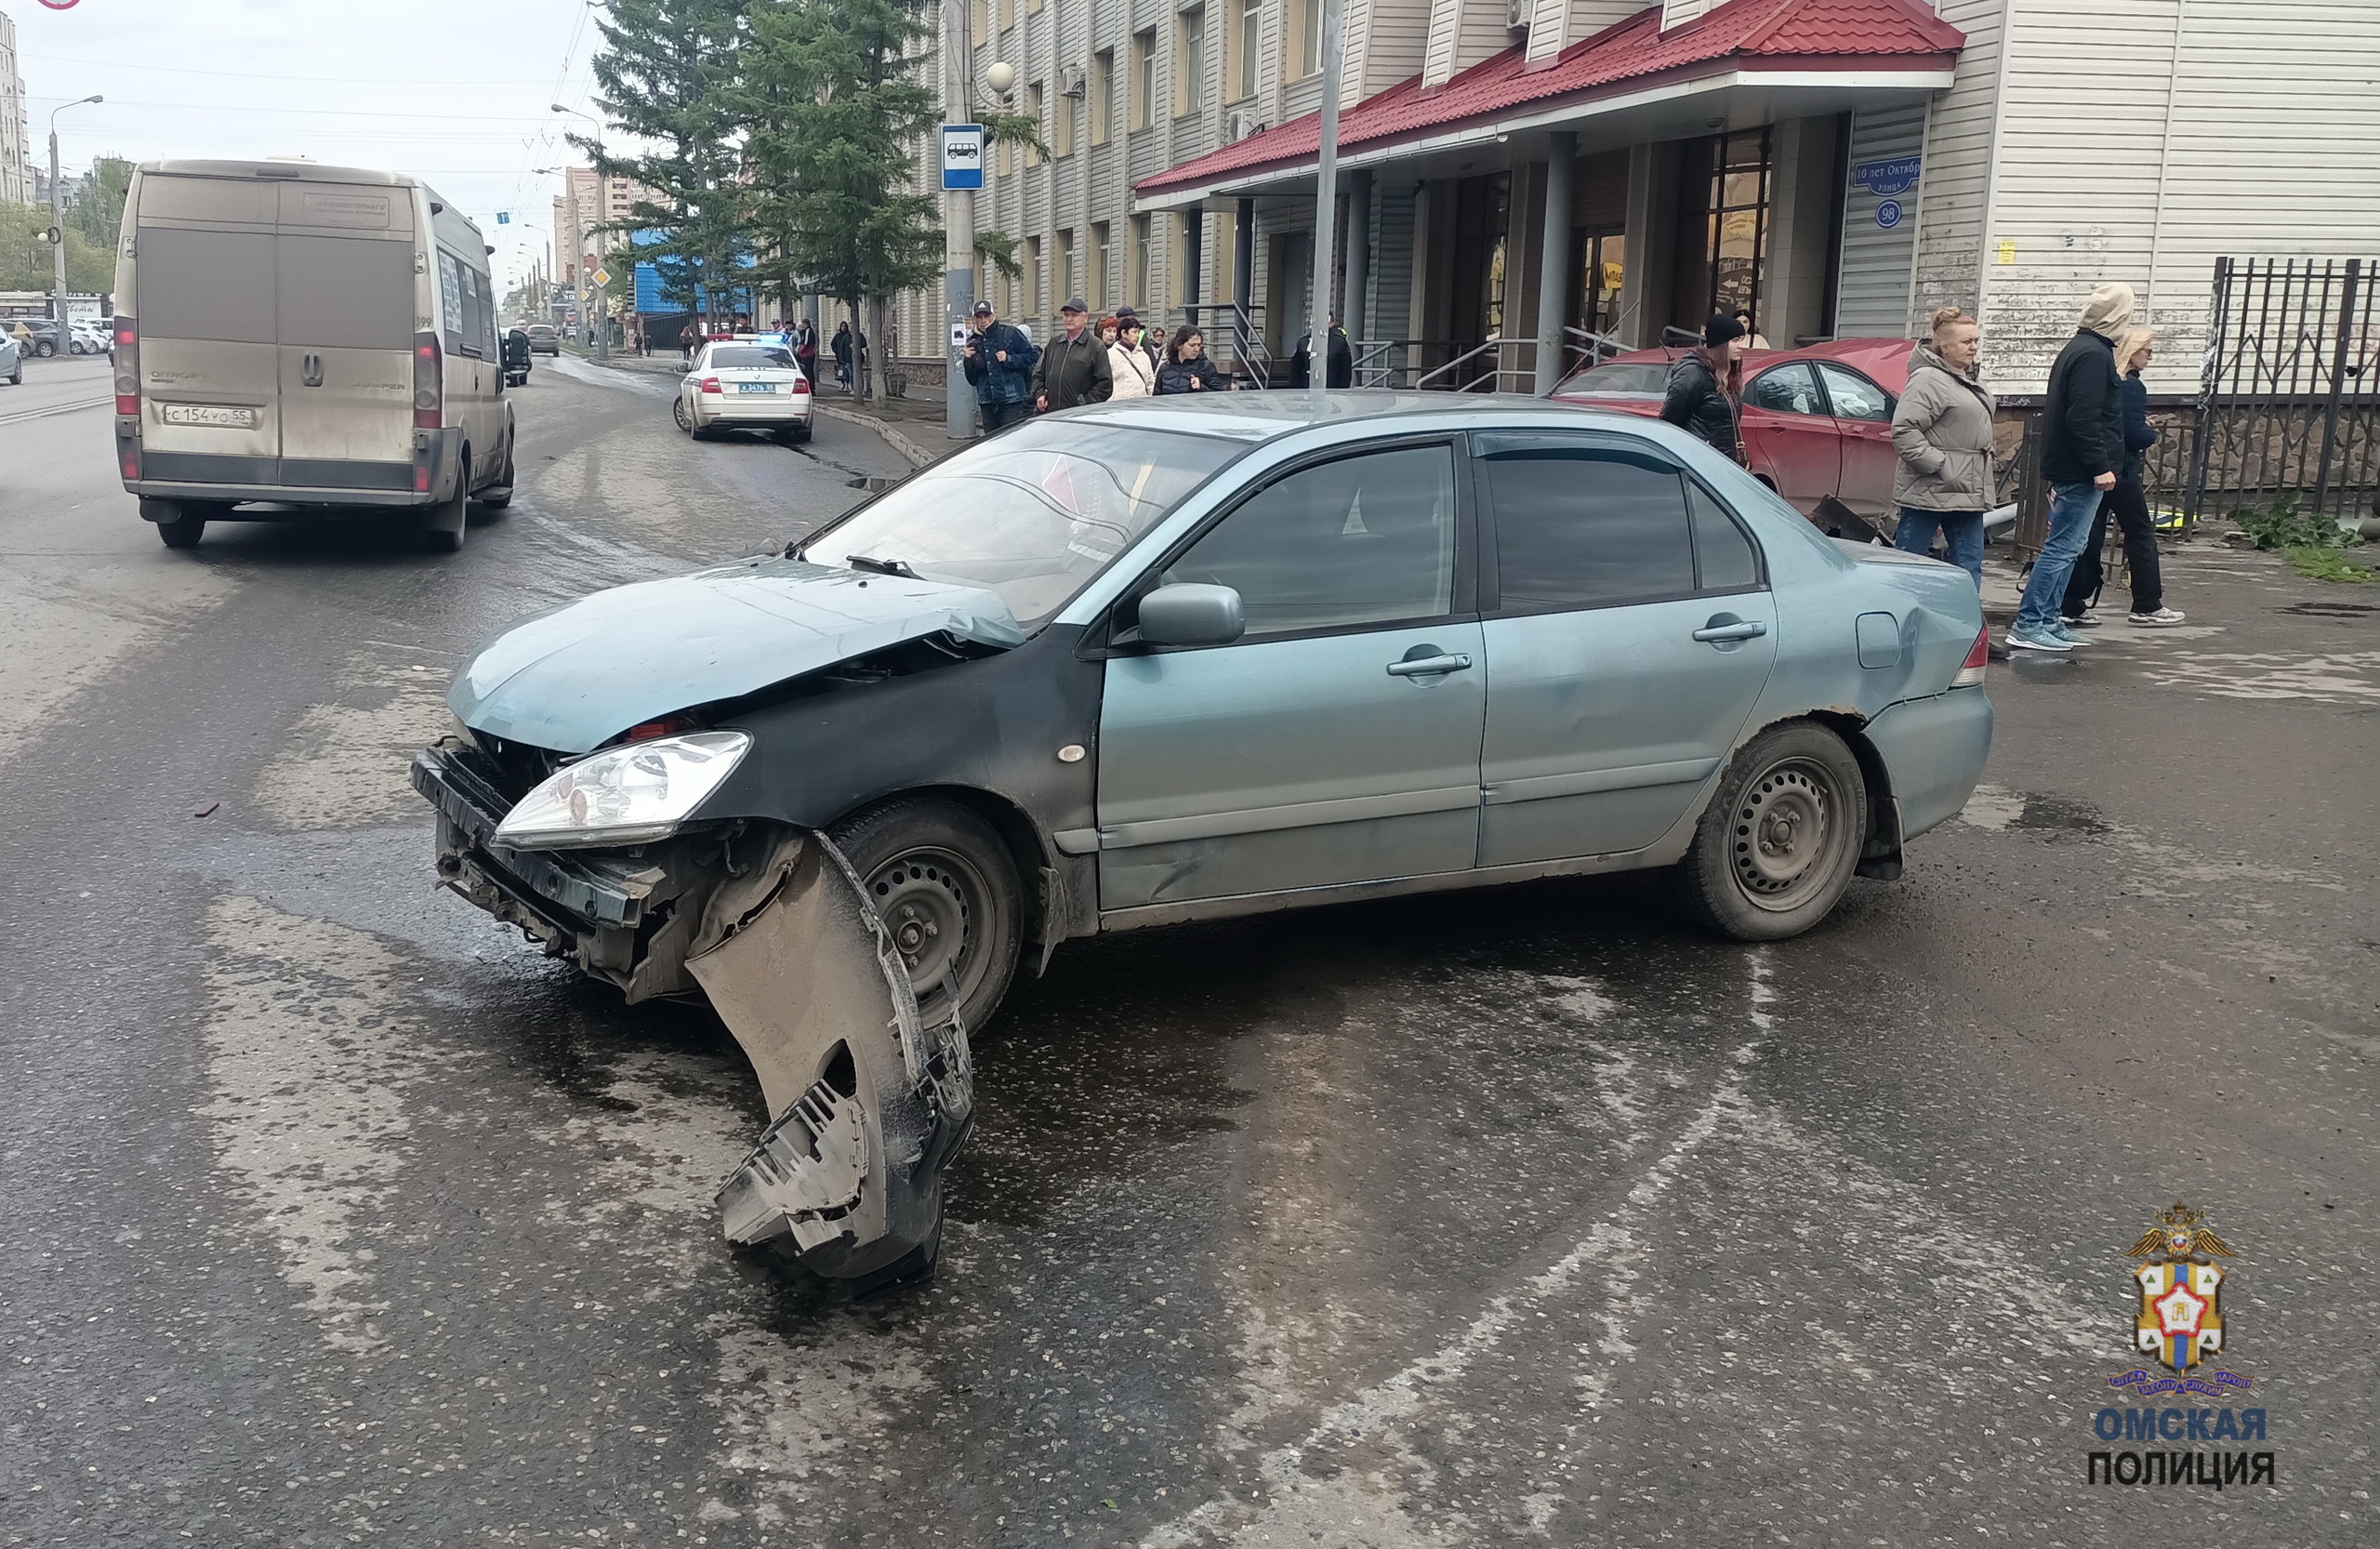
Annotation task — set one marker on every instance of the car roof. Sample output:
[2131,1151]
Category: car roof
[1886,361]
[1265,415]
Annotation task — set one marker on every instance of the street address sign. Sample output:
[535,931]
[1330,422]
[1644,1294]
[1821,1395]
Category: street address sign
[963,155]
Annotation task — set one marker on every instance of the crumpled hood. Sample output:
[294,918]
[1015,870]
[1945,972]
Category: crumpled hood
[573,679]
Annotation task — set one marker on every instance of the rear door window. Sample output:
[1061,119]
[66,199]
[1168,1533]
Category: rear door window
[205,284]
[1724,559]
[345,293]
[1785,389]
[1582,523]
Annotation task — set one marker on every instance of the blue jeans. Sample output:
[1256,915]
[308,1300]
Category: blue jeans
[2071,507]
[1962,530]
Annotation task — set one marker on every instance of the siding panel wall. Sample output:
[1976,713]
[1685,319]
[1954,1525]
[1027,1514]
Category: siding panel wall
[1871,297]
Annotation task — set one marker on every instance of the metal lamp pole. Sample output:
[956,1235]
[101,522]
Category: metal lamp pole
[603,323]
[57,226]
[959,222]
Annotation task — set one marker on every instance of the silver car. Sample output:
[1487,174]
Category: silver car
[1179,659]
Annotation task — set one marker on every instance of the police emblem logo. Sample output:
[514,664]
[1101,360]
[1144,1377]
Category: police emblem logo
[2180,1321]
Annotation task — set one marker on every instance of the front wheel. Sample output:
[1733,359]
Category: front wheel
[943,882]
[1776,848]
[44,348]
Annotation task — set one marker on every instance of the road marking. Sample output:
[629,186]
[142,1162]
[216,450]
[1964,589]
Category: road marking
[22,415]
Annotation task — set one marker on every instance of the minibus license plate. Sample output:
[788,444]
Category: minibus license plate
[228,416]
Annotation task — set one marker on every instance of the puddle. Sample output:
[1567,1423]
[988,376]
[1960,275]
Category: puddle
[2059,813]
[872,485]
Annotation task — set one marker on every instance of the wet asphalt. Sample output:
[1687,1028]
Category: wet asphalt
[330,1213]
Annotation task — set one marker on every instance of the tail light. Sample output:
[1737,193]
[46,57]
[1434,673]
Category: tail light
[128,453]
[127,369]
[429,383]
[801,383]
[1978,656]
[710,384]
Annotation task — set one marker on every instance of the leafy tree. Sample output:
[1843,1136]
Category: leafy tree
[26,259]
[97,208]
[666,77]
[835,108]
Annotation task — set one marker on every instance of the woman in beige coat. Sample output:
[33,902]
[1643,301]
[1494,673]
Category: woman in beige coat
[1942,437]
[1135,373]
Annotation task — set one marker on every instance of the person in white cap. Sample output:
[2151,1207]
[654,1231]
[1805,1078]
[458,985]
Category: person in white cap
[2082,450]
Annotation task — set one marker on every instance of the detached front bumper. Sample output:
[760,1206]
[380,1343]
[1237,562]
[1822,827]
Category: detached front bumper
[869,1103]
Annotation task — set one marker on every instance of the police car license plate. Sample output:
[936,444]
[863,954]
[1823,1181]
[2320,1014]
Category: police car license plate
[755,386]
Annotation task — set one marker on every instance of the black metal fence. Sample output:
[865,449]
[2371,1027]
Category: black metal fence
[2288,396]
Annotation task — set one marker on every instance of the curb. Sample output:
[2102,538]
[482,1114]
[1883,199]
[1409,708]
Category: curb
[919,456]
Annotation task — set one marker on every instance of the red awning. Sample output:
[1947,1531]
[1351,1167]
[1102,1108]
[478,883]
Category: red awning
[1777,36]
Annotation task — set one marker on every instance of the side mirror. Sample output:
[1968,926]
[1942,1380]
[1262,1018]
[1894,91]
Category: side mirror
[1191,614]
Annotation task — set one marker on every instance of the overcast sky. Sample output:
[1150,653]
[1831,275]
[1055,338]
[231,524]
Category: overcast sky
[457,91]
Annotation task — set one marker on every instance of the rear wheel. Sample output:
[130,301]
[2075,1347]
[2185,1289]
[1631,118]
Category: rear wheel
[500,495]
[446,524]
[946,886]
[44,348]
[1776,846]
[677,412]
[184,529]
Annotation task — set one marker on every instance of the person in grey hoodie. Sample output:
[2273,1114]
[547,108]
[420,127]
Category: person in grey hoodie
[1942,437]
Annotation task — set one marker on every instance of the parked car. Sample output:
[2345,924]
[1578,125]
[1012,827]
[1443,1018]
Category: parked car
[92,339]
[1817,421]
[544,338]
[12,361]
[41,333]
[744,385]
[271,350]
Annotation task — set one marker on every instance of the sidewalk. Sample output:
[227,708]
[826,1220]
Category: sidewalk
[910,426]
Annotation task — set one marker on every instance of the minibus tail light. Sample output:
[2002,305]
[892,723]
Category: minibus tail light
[127,369]
[429,383]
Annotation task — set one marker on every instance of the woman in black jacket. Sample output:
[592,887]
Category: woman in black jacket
[1186,367]
[2128,503]
[1697,401]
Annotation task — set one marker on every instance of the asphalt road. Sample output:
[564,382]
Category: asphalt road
[330,1213]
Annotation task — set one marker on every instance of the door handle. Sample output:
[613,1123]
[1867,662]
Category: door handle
[1745,629]
[1428,666]
[309,369]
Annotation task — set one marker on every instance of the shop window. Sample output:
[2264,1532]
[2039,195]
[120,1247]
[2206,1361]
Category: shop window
[1595,289]
[1728,181]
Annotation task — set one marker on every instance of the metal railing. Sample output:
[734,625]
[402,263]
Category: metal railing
[1462,367]
[1252,359]
[2288,396]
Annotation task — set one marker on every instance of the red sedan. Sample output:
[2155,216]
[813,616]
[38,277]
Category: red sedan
[1817,422]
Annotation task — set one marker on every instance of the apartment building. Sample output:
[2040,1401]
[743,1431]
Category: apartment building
[16,144]
[589,214]
[1840,167]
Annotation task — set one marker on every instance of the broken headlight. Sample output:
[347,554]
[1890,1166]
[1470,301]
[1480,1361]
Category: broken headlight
[625,795]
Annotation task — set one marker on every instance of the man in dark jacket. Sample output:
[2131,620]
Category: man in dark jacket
[998,361]
[1696,401]
[1338,370]
[1074,368]
[2082,450]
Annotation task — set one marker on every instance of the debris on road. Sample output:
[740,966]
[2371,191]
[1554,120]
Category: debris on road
[206,810]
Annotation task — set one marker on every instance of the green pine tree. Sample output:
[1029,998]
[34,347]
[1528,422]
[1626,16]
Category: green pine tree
[96,208]
[666,80]
[835,107]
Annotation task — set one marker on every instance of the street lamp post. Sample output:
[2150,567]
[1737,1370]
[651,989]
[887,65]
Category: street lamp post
[57,226]
[604,323]
[959,224]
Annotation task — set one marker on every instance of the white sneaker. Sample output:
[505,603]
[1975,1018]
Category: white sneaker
[2163,615]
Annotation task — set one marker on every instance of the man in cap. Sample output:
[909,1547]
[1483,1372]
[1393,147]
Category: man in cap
[2081,449]
[998,361]
[1074,369]
[1697,401]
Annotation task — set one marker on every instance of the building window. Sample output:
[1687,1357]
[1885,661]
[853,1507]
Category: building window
[1033,7]
[1143,104]
[1102,298]
[1062,127]
[1033,111]
[1309,38]
[1032,276]
[1065,286]
[1728,181]
[1008,14]
[1003,157]
[1136,263]
[1101,88]
[1190,60]
[979,21]
[1245,43]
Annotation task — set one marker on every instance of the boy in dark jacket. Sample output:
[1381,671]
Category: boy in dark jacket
[1696,403]
[2082,450]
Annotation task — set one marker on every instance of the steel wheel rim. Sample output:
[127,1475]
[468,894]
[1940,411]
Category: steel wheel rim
[931,900]
[1786,833]
[685,421]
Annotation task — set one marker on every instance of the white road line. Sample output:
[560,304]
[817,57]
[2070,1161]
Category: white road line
[43,413]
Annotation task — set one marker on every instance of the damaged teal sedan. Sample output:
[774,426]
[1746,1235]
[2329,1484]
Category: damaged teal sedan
[1182,659]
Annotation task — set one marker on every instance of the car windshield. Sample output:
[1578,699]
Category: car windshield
[1033,513]
[727,356]
[1619,379]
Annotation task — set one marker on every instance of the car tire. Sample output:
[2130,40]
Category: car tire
[446,525]
[677,412]
[179,525]
[499,495]
[1776,849]
[16,372]
[43,348]
[933,868]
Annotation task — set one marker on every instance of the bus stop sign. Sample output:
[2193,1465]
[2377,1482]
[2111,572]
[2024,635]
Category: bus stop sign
[963,155]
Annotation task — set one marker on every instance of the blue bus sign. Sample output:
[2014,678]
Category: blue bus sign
[963,155]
